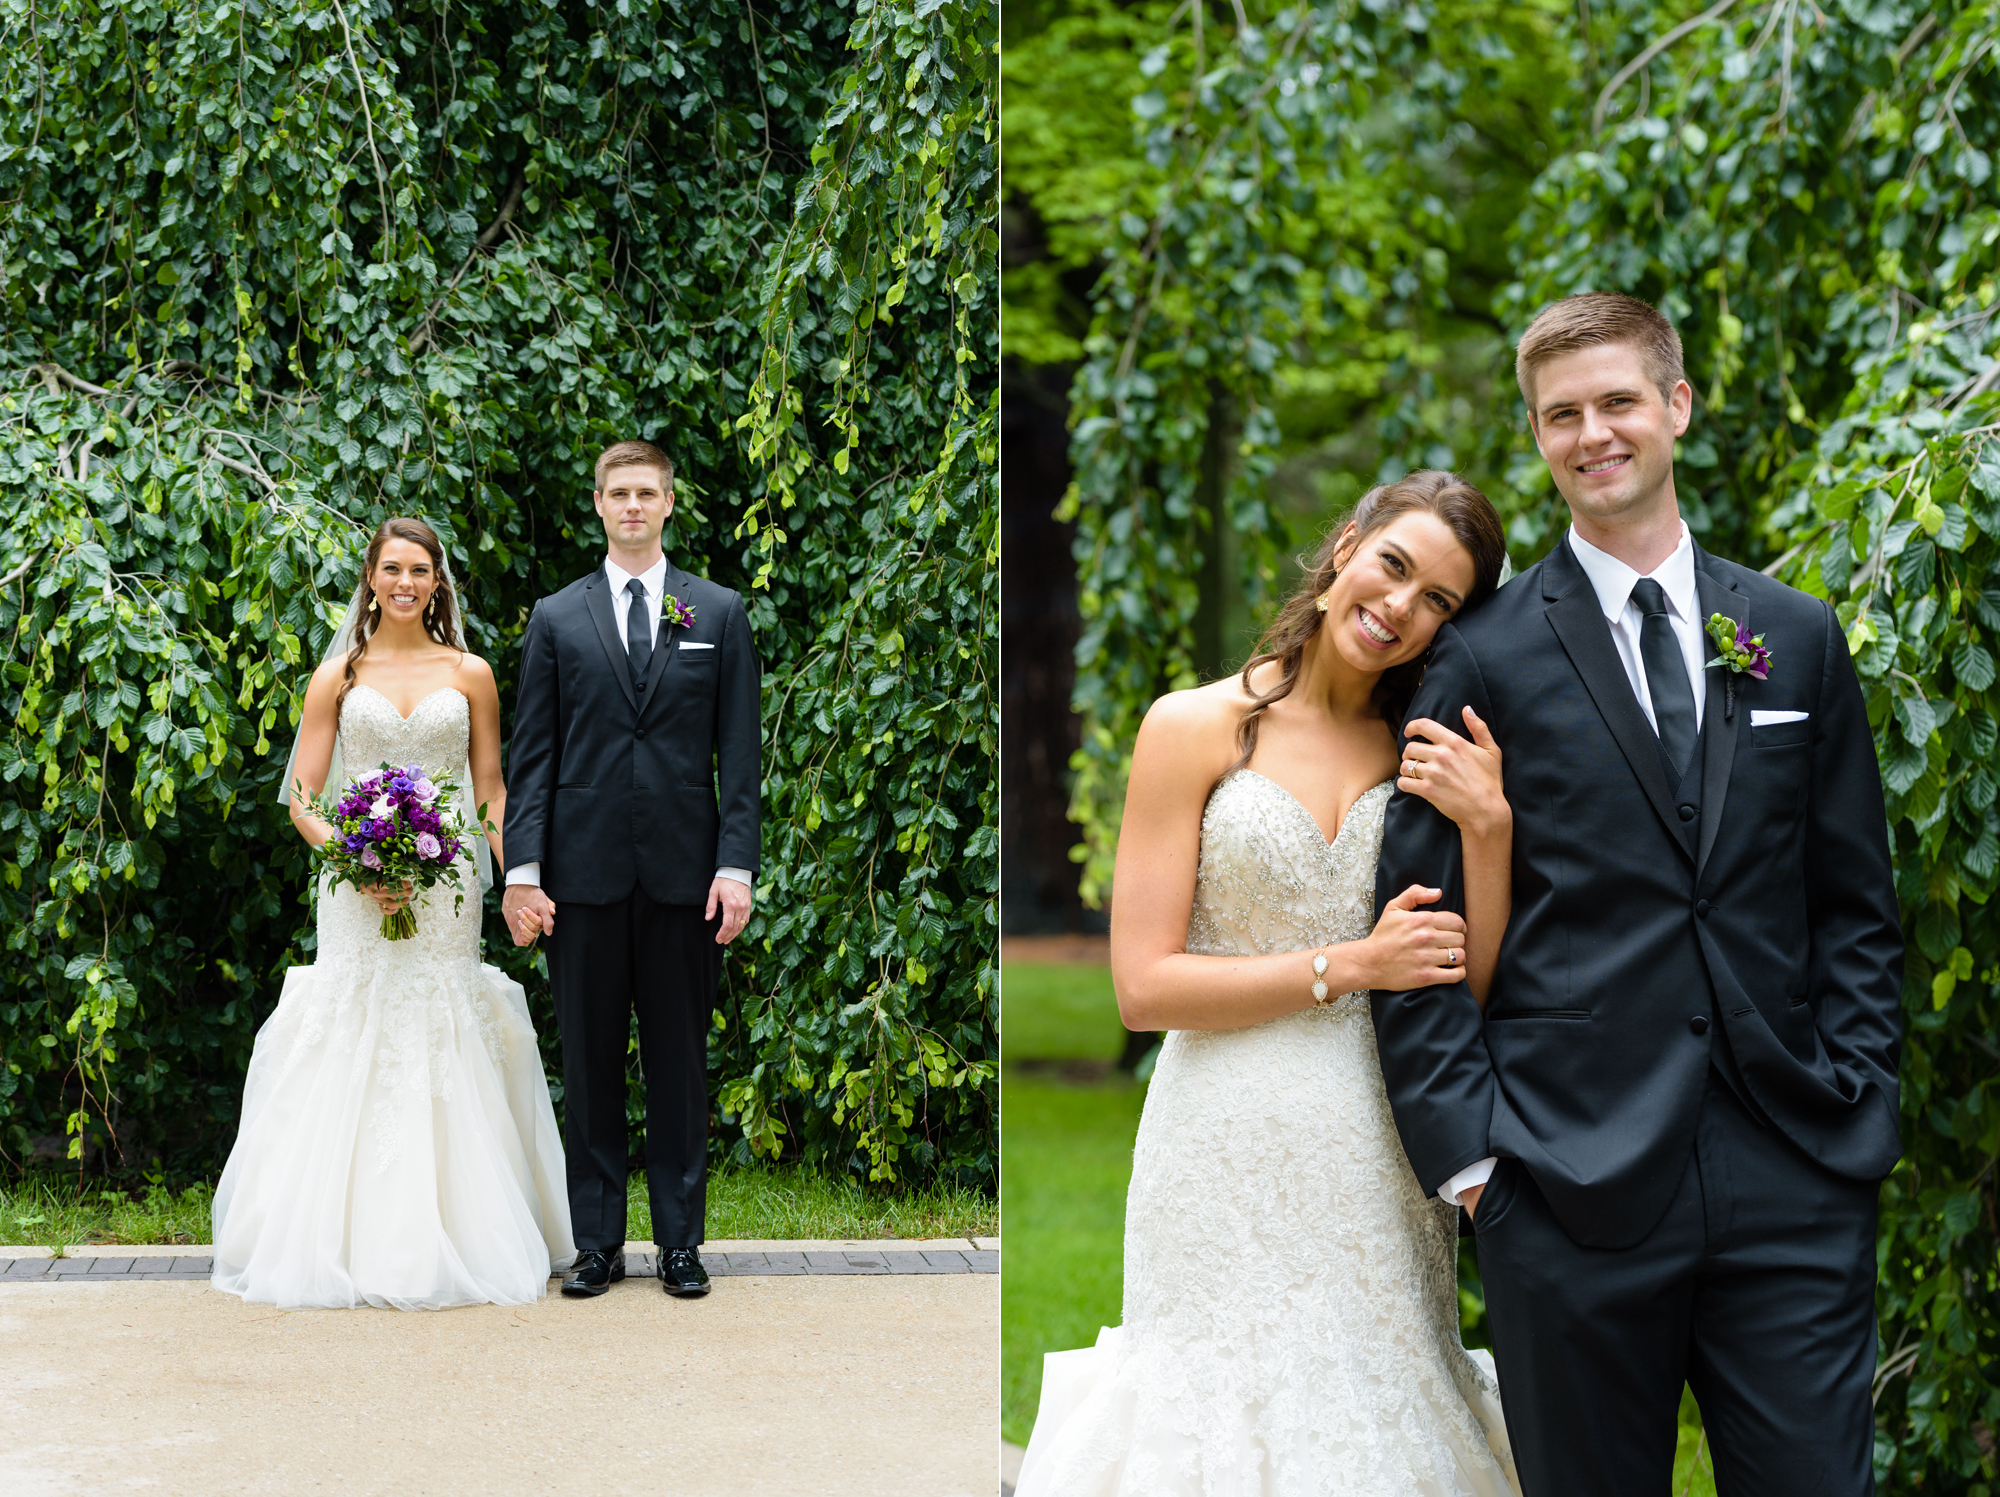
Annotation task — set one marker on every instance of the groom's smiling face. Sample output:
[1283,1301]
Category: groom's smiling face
[1607,432]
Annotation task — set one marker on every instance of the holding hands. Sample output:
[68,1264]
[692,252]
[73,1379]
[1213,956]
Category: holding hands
[529,913]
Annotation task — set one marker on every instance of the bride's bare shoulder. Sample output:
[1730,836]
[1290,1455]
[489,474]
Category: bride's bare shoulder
[1194,729]
[471,670]
[328,677]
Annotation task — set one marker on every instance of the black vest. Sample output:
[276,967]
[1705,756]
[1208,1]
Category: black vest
[1687,805]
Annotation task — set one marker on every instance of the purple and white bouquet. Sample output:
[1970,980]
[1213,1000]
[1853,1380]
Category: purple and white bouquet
[394,826]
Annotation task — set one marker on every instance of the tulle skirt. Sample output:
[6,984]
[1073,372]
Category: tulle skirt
[1101,1410]
[398,1147]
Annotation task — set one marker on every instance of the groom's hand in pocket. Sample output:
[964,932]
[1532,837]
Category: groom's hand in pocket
[529,913]
[733,897]
[1469,1199]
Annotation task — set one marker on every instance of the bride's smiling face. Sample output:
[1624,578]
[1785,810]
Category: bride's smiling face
[404,579]
[1396,586]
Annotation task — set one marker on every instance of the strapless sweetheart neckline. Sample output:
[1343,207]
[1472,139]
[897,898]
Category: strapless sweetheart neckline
[1347,817]
[406,716]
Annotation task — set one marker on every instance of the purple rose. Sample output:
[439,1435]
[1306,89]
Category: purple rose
[355,841]
[371,858]
[1760,658]
[425,790]
[428,846]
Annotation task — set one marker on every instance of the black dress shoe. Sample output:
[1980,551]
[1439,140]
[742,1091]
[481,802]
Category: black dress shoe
[596,1270]
[682,1274]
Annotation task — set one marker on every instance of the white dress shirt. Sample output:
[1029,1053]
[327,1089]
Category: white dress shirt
[654,580]
[1612,580]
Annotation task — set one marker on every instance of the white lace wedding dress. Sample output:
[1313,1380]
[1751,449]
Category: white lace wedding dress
[397,1147]
[1291,1301]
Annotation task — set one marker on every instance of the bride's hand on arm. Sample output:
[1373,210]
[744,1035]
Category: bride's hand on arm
[1458,775]
[315,754]
[1186,742]
[1461,777]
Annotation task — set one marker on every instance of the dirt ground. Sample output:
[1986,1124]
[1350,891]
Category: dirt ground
[785,1386]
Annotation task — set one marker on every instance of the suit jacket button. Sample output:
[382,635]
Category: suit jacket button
[1698,1024]
[641,733]
[1701,906]
[1687,813]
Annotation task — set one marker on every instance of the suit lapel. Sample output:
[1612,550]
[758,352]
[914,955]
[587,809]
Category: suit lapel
[667,643]
[1578,621]
[1719,724]
[597,598]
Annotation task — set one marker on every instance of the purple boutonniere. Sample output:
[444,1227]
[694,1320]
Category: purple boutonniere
[676,613]
[1739,652]
[1737,649]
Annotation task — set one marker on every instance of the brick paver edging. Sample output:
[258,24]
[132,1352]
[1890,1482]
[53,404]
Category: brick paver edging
[101,1267]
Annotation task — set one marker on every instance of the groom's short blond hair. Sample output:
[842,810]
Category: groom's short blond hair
[634,455]
[1590,319]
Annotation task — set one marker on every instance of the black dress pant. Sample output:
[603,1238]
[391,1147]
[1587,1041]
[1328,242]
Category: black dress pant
[1756,1289]
[607,961]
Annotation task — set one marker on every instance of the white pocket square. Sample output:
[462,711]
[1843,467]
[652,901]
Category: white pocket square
[695,644]
[1757,719]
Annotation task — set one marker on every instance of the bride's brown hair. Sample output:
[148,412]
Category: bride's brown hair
[1466,513]
[440,617]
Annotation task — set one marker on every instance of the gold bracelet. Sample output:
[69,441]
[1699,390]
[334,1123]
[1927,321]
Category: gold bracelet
[1319,980]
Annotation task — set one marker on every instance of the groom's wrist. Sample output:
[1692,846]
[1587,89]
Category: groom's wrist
[1465,1179]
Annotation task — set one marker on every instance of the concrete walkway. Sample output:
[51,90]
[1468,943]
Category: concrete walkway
[789,1385]
[722,1259]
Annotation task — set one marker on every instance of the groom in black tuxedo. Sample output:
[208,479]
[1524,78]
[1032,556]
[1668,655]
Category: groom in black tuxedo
[631,837]
[1669,1124]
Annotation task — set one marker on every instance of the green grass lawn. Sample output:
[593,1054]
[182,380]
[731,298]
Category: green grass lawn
[1052,1011]
[1065,1158]
[53,1210]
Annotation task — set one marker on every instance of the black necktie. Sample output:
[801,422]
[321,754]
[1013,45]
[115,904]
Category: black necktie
[1666,674]
[638,631]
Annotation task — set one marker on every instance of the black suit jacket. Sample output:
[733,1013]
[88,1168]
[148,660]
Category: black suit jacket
[1771,914]
[609,787]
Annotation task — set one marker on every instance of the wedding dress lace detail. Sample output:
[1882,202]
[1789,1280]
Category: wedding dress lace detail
[397,1146]
[1291,1302]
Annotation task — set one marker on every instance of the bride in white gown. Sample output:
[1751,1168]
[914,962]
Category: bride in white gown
[397,1145]
[1291,1305]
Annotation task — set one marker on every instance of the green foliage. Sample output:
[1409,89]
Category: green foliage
[1293,234]
[271,271]
[1809,195]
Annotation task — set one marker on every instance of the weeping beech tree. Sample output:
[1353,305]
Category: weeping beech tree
[1807,191]
[273,270]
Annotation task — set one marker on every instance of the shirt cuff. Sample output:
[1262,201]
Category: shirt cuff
[741,875]
[1465,1179]
[525,873]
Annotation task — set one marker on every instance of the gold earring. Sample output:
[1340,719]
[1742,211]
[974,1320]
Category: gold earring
[1328,593]
[371,600]
[431,608]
